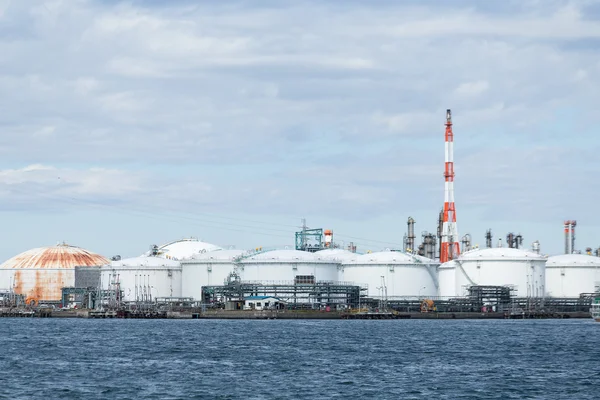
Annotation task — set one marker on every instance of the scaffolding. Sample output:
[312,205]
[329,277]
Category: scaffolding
[303,294]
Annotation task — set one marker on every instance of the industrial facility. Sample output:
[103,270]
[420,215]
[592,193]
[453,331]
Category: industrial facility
[442,272]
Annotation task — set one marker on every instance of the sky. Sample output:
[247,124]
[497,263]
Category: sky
[127,124]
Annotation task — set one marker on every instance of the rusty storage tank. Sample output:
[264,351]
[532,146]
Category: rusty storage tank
[41,273]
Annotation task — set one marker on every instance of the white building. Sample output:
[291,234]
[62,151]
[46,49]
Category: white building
[263,303]
[569,275]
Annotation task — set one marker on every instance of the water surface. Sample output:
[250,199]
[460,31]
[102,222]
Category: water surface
[279,359]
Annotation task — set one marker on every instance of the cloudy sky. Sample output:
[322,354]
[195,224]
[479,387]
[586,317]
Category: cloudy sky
[125,124]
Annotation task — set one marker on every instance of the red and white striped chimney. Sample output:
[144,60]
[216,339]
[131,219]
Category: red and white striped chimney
[450,249]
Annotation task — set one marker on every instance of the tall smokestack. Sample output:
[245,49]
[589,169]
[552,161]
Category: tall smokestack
[449,248]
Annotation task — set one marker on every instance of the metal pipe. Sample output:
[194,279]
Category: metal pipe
[573,225]
[567,224]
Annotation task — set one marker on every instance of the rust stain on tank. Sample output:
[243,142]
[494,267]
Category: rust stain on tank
[40,274]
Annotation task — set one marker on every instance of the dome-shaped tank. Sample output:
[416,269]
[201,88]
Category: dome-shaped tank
[143,278]
[339,255]
[569,275]
[502,266]
[207,269]
[182,249]
[288,265]
[402,274]
[40,274]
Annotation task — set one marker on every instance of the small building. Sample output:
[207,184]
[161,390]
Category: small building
[263,303]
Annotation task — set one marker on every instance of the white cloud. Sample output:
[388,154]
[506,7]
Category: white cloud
[260,105]
[472,88]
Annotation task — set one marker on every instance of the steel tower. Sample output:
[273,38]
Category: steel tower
[449,247]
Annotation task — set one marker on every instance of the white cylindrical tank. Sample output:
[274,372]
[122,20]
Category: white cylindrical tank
[502,266]
[569,275]
[338,256]
[207,269]
[183,249]
[142,277]
[400,273]
[287,265]
[447,279]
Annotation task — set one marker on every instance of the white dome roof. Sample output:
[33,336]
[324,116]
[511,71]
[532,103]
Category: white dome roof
[145,262]
[217,256]
[284,256]
[573,260]
[337,255]
[500,253]
[448,265]
[184,249]
[390,257]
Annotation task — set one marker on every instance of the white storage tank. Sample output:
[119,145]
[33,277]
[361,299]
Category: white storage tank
[182,249]
[502,266]
[40,274]
[447,279]
[569,275]
[142,277]
[287,265]
[403,274]
[207,269]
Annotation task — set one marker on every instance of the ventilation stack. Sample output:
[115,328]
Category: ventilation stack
[410,239]
[450,249]
[488,238]
[567,241]
[573,225]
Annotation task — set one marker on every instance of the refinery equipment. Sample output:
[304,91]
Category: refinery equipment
[312,239]
[535,247]
[143,278]
[286,265]
[570,236]
[40,274]
[450,248]
[296,294]
[207,269]
[523,270]
[569,275]
[514,241]
[466,242]
[488,238]
[410,238]
[428,246]
[405,274]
